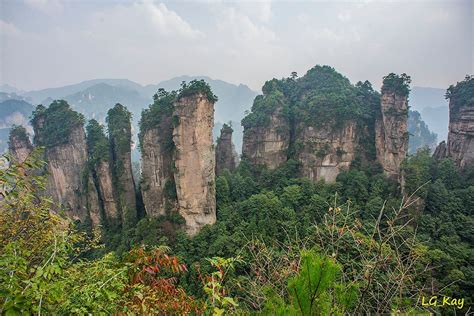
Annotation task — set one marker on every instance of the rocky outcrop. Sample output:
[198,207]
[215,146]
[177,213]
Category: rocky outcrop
[320,120]
[100,165]
[441,151]
[60,130]
[267,144]
[460,147]
[226,156]
[391,132]
[158,188]
[195,160]
[19,144]
[120,136]
[324,152]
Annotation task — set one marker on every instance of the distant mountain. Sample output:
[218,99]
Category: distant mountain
[433,106]
[95,97]
[420,135]
[9,89]
[38,96]
[13,112]
[96,100]
[4,96]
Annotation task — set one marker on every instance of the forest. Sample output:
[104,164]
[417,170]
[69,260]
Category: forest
[281,245]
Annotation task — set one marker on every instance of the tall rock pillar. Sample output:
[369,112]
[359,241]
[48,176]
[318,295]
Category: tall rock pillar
[391,132]
[460,147]
[226,156]
[19,144]
[157,147]
[120,137]
[194,157]
[99,162]
[60,130]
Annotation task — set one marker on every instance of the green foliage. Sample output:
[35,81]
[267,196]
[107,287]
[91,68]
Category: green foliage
[55,123]
[97,143]
[322,98]
[119,127]
[161,109]
[214,287]
[315,290]
[19,133]
[195,87]
[462,94]
[398,84]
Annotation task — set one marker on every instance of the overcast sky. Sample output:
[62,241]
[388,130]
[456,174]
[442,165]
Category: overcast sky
[49,43]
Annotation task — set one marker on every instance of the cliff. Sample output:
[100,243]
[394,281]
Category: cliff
[19,144]
[325,152]
[195,158]
[60,130]
[157,148]
[460,145]
[120,138]
[391,132]
[100,167]
[267,128]
[226,156]
[320,120]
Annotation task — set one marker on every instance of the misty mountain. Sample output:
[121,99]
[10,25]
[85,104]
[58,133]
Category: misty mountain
[95,101]
[38,96]
[13,112]
[433,106]
[9,89]
[95,97]
[420,134]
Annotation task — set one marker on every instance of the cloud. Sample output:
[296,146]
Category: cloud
[142,18]
[245,41]
[49,7]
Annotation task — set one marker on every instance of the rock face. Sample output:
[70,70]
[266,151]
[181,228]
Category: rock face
[66,183]
[157,168]
[19,144]
[100,165]
[460,147]
[106,193]
[391,132]
[226,156]
[320,120]
[69,182]
[120,135]
[195,160]
[441,151]
[325,152]
[267,144]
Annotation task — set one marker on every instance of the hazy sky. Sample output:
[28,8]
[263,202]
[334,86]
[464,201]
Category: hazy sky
[48,43]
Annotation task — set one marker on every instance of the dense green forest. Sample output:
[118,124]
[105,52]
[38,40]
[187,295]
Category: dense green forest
[282,245]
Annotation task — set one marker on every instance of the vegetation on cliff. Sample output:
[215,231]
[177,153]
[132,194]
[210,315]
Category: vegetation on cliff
[59,121]
[162,108]
[195,87]
[462,92]
[97,143]
[398,84]
[19,133]
[321,97]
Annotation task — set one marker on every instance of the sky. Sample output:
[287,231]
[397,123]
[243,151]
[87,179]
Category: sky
[50,43]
